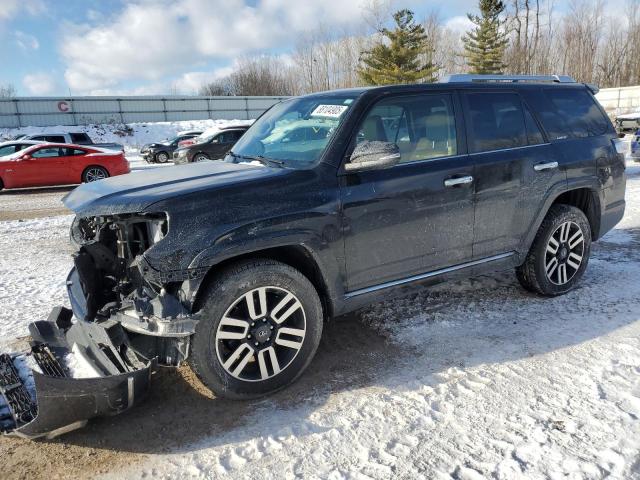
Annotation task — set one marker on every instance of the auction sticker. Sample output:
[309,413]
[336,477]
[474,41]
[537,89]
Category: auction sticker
[332,111]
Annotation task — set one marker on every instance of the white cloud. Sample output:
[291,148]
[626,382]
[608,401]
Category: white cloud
[459,24]
[151,40]
[39,83]
[11,8]
[26,41]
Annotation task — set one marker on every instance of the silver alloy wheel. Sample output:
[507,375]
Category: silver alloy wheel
[162,157]
[94,174]
[564,253]
[201,157]
[260,334]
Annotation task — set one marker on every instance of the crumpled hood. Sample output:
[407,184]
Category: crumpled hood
[136,191]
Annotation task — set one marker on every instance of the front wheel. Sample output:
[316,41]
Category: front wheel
[200,157]
[259,328]
[162,157]
[93,174]
[559,254]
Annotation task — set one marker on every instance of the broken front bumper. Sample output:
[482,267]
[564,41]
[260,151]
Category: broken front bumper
[47,400]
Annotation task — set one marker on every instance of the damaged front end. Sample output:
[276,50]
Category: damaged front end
[128,321]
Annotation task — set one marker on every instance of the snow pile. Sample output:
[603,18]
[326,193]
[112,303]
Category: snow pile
[78,366]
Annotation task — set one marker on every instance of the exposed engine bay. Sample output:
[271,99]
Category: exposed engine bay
[127,322]
[112,280]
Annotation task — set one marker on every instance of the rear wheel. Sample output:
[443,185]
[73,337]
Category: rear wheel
[1,184]
[259,328]
[559,254]
[93,174]
[200,157]
[162,157]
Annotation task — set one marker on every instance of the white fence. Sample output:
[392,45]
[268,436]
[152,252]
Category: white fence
[48,111]
[617,101]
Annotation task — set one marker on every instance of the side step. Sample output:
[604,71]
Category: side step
[46,400]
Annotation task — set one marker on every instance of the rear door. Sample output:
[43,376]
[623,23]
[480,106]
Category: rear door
[514,168]
[417,216]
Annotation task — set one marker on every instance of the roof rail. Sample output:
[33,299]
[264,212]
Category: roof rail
[467,77]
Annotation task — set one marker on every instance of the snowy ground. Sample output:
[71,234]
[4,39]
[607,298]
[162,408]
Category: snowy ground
[469,380]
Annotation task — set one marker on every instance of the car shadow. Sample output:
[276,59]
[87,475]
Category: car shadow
[401,345]
[38,190]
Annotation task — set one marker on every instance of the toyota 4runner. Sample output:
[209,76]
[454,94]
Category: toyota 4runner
[327,202]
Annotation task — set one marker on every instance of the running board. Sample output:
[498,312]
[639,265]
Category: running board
[72,373]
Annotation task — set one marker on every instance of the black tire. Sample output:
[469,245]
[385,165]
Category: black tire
[1,184]
[200,157]
[93,173]
[162,157]
[226,290]
[532,274]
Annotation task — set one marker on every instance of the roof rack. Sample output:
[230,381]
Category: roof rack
[466,77]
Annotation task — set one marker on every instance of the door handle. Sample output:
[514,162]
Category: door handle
[452,182]
[545,166]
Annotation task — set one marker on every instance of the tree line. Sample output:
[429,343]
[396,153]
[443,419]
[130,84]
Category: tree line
[585,41]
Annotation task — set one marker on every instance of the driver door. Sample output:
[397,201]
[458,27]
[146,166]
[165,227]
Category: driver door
[45,167]
[411,218]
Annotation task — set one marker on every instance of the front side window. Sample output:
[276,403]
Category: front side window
[496,121]
[422,126]
[294,132]
[46,153]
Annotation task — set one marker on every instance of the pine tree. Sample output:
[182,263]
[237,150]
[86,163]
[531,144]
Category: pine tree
[397,57]
[485,45]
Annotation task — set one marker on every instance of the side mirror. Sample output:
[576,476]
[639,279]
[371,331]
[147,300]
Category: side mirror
[373,156]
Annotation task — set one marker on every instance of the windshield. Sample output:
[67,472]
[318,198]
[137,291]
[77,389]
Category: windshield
[294,132]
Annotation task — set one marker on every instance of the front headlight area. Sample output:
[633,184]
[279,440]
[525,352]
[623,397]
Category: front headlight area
[127,235]
[118,284]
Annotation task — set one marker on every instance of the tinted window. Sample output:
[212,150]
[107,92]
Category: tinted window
[533,131]
[80,138]
[54,138]
[496,121]
[75,151]
[422,126]
[230,137]
[577,113]
[46,153]
[7,150]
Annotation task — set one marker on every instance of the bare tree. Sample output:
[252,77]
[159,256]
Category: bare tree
[7,91]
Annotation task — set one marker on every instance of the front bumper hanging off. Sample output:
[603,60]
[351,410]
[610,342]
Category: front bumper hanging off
[80,370]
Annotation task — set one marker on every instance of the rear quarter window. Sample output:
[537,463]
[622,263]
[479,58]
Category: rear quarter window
[572,113]
[80,138]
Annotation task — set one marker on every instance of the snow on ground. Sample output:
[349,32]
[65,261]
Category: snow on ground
[140,133]
[481,379]
[35,258]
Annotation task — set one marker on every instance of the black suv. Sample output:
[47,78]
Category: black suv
[330,201]
[210,146]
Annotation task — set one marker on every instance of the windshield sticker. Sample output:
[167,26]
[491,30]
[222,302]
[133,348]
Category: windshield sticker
[332,111]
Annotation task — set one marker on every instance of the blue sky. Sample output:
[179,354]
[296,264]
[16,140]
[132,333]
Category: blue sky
[57,47]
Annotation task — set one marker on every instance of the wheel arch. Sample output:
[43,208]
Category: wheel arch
[588,201]
[296,256]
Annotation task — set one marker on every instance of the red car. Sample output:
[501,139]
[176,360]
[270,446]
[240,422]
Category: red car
[59,164]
